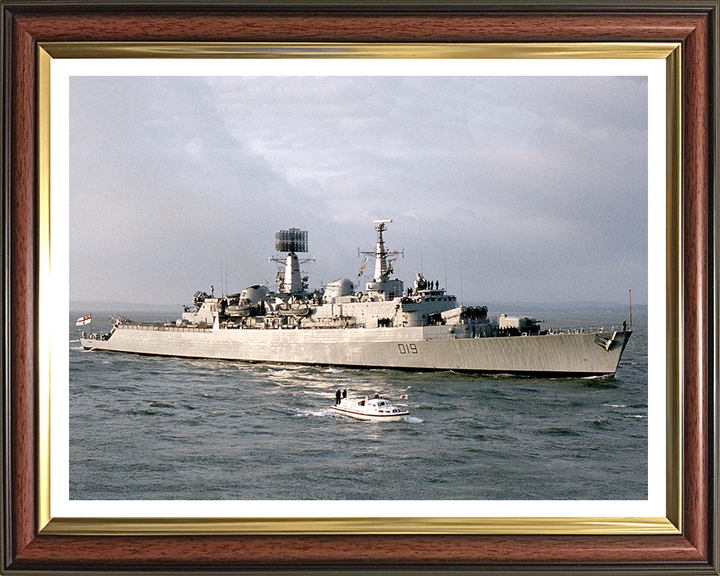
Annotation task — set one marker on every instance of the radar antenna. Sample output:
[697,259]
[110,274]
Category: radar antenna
[289,280]
[382,268]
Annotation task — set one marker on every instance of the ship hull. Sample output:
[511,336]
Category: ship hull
[410,348]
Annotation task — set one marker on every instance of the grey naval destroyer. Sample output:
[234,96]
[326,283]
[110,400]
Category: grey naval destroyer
[387,326]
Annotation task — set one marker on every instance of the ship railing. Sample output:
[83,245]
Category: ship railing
[583,330]
[160,327]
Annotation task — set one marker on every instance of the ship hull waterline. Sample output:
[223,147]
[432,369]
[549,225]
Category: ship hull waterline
[581,354]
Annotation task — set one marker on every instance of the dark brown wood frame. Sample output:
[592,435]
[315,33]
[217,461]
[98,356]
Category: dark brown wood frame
[692,23]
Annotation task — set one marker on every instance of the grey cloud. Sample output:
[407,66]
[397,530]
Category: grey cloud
[539,184]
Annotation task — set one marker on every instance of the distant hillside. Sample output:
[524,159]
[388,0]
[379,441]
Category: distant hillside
[87,306]
[536,308]
[533,308]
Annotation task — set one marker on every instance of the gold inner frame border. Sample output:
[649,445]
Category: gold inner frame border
[671,524]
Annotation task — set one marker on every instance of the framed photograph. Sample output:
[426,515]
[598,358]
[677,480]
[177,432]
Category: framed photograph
[503,161]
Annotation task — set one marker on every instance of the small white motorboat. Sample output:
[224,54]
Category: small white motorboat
[365,408]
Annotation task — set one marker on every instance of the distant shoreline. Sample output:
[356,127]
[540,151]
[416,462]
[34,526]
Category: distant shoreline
[508,307]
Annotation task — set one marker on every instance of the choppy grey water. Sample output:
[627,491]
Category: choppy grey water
[145,427]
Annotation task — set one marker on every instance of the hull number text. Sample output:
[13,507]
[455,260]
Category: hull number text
[407,349]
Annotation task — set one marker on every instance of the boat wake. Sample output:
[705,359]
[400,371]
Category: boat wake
[317,414]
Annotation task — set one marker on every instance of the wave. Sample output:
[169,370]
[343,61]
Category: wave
[143,412]
[558,431]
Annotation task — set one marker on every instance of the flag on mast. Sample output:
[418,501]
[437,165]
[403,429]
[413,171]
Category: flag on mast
[84,320]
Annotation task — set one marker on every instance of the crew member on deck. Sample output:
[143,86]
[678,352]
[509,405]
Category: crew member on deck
[338,394]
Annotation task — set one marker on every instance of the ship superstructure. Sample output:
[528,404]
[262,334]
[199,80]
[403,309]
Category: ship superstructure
[387,325]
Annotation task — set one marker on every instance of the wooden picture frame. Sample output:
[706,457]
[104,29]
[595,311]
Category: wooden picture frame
[29,548]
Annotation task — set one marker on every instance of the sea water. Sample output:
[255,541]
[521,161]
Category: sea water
[158,428]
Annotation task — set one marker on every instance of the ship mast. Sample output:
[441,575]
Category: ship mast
[382,288]
[291,241]
[382,270]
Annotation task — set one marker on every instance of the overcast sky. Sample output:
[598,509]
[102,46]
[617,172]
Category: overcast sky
[527,189]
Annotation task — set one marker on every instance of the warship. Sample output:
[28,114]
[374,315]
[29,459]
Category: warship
[419,327]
